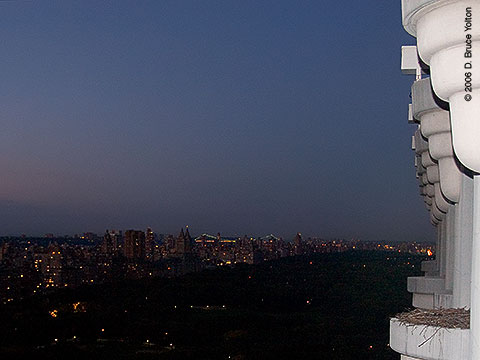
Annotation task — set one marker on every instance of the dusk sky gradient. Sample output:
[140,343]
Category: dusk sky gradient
[239,117]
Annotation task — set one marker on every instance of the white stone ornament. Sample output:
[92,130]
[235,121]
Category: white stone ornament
[448,40]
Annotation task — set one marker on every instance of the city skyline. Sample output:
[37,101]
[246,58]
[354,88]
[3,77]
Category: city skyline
[258,118]
[37,265]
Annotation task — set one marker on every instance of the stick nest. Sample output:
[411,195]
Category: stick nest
[444,318]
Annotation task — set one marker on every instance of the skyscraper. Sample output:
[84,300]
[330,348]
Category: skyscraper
[107,244]
[134,245]
[298,243]
[149,244]
[183,244]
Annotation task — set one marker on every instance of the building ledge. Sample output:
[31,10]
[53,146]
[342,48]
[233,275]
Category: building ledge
[426,285]
[429,342]
[432,301]
[429,266]
[429,292]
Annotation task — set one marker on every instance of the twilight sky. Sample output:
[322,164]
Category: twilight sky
[243,117]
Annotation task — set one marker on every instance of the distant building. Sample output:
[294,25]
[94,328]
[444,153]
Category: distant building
[169,242]
[52,265]
[149,244]
[134,245]
[188,241]
[90,236]
[107,244]
[183,243]
[298,244]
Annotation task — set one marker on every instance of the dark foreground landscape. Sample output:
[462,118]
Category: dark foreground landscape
[324,306]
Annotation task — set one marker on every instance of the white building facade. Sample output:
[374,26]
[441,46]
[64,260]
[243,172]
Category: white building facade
[446,110]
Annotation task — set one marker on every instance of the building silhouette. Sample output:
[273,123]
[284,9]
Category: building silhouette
[149,244]
[134,245]
[183,245]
